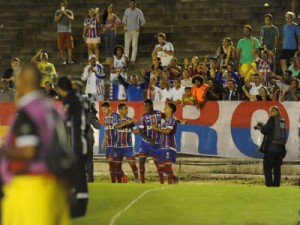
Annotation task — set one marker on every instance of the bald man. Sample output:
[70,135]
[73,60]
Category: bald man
[24,169]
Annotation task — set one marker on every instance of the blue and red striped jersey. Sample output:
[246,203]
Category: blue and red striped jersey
[146,122]
[169,140]
[110,130]
[124,135]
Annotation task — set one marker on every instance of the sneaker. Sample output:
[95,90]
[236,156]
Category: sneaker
[125,179]
[71,62]
[175,180]
[63,62]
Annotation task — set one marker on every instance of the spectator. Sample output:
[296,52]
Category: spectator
[6,94]
[186,81]
[291,38]
[226,53]
[262,96]
[231,92]
[133,20]
[285,80]
[294,68]
[176,92]
[118,62]
[264,65]
[174,70]
[293,94]
[212,92]
[186,63]
[187,97]
[198,89]
[64,18]
[155,71]
[164,50]
[245,53]
[162,93]
[254,84]
[29,147]
[46,68]
[94,74]
[225,74]
[110,23]
[212,71]
[195,68]
[269,34]
[50,92]
[134,90]
[91,32]
[10,73]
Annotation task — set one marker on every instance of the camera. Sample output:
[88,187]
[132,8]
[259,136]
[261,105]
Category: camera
[258,126]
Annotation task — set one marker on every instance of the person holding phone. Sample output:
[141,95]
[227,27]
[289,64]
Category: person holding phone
[64,18]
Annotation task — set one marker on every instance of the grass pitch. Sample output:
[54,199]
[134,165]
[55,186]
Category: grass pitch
[190,203]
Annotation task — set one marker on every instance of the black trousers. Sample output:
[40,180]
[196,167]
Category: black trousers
[80,189]
[272,167]
[89,161]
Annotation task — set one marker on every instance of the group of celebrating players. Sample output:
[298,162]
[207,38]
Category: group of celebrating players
[158,132]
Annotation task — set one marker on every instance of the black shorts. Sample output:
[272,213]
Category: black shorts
[287,54]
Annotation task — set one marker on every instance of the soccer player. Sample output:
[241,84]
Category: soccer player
[151,139]
[110,136]
[125,127]
[167,151]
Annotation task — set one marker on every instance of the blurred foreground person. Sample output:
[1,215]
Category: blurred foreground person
[32,193]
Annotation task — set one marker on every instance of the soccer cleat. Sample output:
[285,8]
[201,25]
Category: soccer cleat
[175,180]
[124,179]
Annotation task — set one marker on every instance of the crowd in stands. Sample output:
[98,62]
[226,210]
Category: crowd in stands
[243,72]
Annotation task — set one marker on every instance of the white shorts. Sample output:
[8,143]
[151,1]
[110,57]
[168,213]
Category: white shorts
[93,40]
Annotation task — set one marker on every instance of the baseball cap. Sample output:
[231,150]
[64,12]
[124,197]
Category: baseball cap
[92,56]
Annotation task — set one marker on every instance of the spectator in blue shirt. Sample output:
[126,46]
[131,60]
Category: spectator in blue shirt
[291,40]
[134,90]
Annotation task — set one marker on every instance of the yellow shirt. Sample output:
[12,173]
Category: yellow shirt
[47,70]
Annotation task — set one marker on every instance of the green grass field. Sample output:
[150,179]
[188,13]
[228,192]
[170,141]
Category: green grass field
[190,203]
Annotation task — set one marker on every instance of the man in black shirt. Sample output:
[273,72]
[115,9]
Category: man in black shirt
[76,116]
[275,130]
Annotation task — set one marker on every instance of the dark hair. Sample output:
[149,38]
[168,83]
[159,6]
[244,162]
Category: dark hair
[187,88]
[289,72]
[64,83]
[65,2]
[15,60]
[105,13]
[105,105]
[275,108]
[121,106]
[172,106]
[116,48]
[269,15]
[148,101]
[163,35]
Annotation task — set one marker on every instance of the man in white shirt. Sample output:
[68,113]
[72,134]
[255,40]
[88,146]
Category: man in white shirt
[164,50]
[176,92]
[94,76]
[163,92]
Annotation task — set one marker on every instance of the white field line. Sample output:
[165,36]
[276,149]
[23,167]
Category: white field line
[112,221]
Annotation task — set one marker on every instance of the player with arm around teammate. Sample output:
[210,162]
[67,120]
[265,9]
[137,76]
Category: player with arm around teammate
[167,151]
[125,127]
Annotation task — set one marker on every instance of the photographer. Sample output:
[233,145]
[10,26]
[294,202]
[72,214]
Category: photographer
[92,122]
[275,131]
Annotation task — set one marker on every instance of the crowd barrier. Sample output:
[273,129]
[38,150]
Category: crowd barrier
[220,128]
